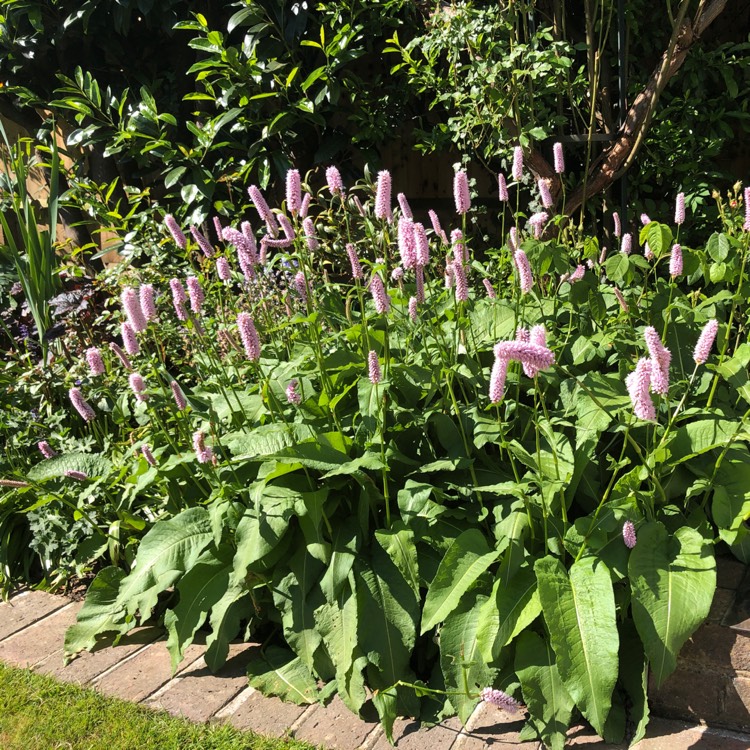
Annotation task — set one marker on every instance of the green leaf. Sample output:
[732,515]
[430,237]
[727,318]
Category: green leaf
[91,464]
[279,672]
[549,703]
[399,543]
[617,267]
[466,559]
[99,613]
[510,609]
[226,615]
[165,553]
[173,176]
[464,669]
[579,610]
[730,505]
[202,587]
[634,678]
[672,578]
[658,236]
[698,437]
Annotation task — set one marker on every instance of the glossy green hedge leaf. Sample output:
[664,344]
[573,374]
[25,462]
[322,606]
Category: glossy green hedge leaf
[460,661]
[165,553]
[99,613]
[202,587]
[279,672]
[579,609]
[510,609]
[466,559]
[672,578]
[549,703]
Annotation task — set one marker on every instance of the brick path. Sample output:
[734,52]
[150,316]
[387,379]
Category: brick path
[32,626]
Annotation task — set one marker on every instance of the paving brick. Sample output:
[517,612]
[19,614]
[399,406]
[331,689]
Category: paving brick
[717,647]
[490,725]
[34,644]
[691,694]
[25,609]
[199,693]
[269,716]
[89,665]
[408,735]
[665,734]
[737,703]
[137,678]
[334,726]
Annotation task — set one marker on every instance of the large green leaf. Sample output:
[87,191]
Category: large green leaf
[99,613]
[279,672]
[579,610]
[510,609]
[226,615]
[93,465]
[672,578]
[199,590]
[549,703]
[464,669]
[634,678]
[730,505]
[466,559]
[344,547]
[399,543]
[698,437]
[165,553]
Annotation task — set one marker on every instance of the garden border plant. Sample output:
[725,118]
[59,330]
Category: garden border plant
[417,489]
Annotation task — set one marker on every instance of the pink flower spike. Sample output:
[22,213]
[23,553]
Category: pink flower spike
[413,309]
[81,405]
[462,283]
[334,181]
[406,245]
[616,220]
[196,294]
[120,354]
[305,207]
[513,240]
[383,196]
[746,196]
[497,379]
[222,269]
[523,267]
[203,243]
[309,229]
[648,253]
[148,302]
[545,193]
[46,449]
[286,227]
[602,256]
[131,304]
[645,219]
[517,171]
[559,159]
[249,235]
[175,231]
[522,334]
[421,244]
[129,340]
[626,244]
[461,195]
[293,191]
[534,355]
[621,299]
[577,275]
[203,453]
[419,277]
[373,367]
[450,276]
[706,342]
[490,289]
[502,187]
[300,284]
[679,209]
[218,229]
[638,383]
[179,298]
[249,336]
[675,261]
[357,272]
[292,395]
[179,396]
[397,273]
[260,203]
[148,455]
[379,295]
[500,699]
[94,361]
[79,476]
[660,361]
[436,226]
[138,386]
[405,207]
[628,534]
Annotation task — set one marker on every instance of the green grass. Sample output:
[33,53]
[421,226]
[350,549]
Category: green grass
[38,713]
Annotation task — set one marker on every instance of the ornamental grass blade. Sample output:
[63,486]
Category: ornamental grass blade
[466,559]
[672,579]
[550,706]
[579,610]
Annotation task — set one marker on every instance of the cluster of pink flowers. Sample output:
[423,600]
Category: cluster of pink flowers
[249,336]
[383,208]
[373,367]
[461,192]
[292,395]
[203,453]
[529,348]
[500,699]
[628,534]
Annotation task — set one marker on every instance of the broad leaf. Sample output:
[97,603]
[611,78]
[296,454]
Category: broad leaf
[226,615]
[672,578]
[93,465]
[634,678]
[279,672]
[466,559]
[549,703]
[165,553]
[99,613]
[399,543]
[579,610]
